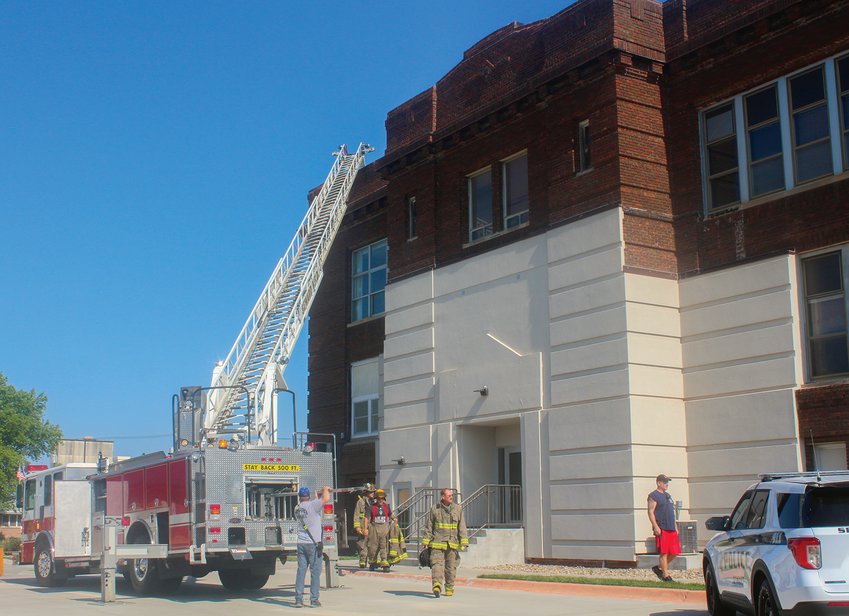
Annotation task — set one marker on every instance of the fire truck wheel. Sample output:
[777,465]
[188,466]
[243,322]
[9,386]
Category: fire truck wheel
[168,586]
[144,577]
[254,581]
[240,579]
[45,571]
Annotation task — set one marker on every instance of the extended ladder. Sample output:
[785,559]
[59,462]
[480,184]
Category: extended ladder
[245,384]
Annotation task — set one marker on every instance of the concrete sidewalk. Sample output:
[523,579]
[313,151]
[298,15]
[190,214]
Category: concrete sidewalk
[470,578]
[360,592]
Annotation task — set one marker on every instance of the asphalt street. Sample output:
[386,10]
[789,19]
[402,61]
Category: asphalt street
[385,594]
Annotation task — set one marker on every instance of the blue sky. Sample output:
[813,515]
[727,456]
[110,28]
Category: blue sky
[154,164]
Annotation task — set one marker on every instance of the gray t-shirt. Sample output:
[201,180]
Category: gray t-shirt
[309,513]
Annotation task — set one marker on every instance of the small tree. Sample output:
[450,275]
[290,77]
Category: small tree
[24,434]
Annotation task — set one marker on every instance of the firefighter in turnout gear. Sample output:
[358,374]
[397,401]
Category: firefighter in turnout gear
[445,535]
[377,528]
[397,545]
[364,503]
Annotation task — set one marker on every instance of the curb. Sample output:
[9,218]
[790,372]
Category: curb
[671,595]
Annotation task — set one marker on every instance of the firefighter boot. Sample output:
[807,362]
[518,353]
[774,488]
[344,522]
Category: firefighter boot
[437,590]
[449,591]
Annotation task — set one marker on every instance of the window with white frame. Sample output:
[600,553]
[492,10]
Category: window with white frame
[843,86]
[411,218]
[369,270]
[585,161]
[723,184]
[824,279]
[480,204]
[786,133]
[811,139]
[514,172]
[365,397]
[763,130]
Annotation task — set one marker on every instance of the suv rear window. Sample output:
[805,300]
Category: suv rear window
[826,506]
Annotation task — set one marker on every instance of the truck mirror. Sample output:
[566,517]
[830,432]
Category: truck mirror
[19,496]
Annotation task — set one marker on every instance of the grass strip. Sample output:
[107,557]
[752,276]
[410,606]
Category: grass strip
[598,581]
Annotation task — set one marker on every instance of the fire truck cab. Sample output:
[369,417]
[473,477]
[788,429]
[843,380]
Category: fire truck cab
[57,534]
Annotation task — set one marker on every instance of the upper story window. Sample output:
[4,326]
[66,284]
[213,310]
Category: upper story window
[514,172]
[365,397]
[368,281]
[777,137]
[723,185]
[843,85]
[411,218]
[585,160]
[811,142]
[763,129]
[824,278]
[480,204]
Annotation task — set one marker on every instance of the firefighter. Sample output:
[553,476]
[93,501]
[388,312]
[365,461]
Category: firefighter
[397,545]
[377,528]
[364,503]
[445,535]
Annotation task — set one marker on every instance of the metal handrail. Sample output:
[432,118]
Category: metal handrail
[493,506]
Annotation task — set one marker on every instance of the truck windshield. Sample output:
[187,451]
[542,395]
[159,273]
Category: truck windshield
[826,506]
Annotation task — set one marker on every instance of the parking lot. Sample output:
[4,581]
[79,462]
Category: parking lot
[400,593]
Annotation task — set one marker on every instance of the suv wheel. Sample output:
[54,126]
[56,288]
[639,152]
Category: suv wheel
[766,605]
[714,601]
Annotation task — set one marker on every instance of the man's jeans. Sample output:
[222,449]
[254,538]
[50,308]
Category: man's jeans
[308,558]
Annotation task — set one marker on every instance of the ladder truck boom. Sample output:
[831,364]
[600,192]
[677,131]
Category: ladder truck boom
[244,385]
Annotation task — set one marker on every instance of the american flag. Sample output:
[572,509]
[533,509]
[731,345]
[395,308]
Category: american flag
[20,474]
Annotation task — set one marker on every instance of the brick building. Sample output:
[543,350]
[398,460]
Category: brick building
[607,244]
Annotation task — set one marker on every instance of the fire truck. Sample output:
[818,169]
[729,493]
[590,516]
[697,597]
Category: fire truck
[224,499]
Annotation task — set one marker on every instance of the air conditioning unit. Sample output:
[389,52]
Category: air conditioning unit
[687,536]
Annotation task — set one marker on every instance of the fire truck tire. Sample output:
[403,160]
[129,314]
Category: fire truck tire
[45,569]
[144,578]
[168,586]
[242,579]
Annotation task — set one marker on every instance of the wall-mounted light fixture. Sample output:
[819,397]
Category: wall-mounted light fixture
[484,391]
[400,461]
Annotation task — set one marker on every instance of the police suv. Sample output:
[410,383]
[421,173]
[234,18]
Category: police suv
[784,549]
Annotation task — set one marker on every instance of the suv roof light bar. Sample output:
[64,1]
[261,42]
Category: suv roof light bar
[812,474]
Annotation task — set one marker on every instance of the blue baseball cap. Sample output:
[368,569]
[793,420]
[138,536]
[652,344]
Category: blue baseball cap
[303,492]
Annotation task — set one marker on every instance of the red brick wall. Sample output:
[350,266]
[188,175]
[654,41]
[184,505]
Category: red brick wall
[807,218]
[824,411]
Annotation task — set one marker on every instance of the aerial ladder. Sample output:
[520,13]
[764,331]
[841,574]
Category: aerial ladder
[240,401]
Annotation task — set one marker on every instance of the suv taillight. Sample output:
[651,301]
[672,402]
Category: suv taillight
[807,552]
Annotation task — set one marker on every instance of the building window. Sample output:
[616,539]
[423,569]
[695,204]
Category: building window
[721,157]
[811,143]
[369,281]
[782,131]
[825,300]
[763,127]
[585,161]
[480,204]
[843,78]
[830,456]
[365,397]
[514,172]
[411,218]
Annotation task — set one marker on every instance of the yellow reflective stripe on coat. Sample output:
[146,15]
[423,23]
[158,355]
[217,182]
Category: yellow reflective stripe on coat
[444,525]
[438,545]
[464,541]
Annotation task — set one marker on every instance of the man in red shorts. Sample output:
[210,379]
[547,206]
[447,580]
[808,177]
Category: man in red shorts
[661,509]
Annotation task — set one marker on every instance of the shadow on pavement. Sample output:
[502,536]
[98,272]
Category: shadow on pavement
[681,612]
[409,593]
[189,592]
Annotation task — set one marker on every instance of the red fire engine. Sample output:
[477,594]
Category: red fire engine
[224,500]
